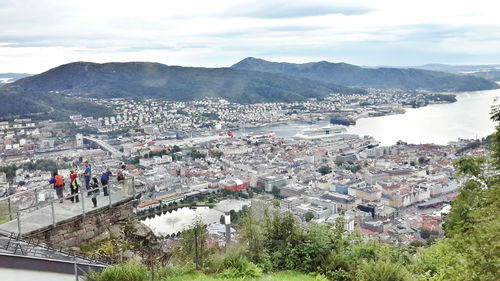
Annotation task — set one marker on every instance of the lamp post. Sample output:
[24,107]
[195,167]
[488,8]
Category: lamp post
[227,221]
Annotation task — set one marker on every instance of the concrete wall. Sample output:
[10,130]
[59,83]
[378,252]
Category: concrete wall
[79,230]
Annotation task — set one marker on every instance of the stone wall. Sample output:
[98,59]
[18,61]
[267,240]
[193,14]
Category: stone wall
[81,229]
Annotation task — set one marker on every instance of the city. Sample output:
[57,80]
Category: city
[249,140]
[393,192]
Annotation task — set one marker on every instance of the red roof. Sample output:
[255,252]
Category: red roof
[148,203]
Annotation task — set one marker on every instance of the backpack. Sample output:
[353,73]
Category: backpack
[76,183]
[120,176]
[59,180]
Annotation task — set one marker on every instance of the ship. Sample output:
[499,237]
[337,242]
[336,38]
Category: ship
[318,133]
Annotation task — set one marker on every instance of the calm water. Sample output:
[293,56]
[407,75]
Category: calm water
[183,218]
[440,123]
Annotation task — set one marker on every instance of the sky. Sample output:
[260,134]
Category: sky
[36,35]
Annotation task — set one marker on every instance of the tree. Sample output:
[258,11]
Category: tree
[275,191]
[308,216]
[421,160]
[194,243]
[325,170]
[251,231]
[472,225]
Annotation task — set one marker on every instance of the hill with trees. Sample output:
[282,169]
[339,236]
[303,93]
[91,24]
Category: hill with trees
[385,77]
[53,91]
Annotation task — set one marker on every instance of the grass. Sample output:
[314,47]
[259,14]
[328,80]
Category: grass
[278,276]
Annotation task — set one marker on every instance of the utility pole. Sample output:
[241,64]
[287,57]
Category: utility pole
[196,248]
[227,220]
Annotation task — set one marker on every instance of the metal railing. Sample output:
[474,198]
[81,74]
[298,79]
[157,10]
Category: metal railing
[15,206]
[13,244]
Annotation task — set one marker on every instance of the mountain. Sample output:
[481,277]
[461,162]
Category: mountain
[493,75]
[486,71]
[469,69]
[154,80]
[11,77]
[354,76]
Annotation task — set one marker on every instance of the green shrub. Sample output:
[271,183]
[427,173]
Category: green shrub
[338,275]
[129,272]
[170,271]
[382,270]
[237,266]
[264,262]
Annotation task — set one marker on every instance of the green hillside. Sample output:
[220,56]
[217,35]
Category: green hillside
[351,75]
[54,91]
[142,79]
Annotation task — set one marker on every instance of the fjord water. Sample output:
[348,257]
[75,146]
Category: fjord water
[467,118]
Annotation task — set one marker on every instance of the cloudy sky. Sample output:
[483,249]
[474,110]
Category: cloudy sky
[36,35]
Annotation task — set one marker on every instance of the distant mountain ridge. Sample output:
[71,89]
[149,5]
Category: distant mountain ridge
[11,77]
[155,80]
[56,93]
[136,79]
[459,68]
[386,77]
[486,71]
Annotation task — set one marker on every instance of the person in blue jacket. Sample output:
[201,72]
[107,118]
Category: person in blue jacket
[88,175]
[105,180]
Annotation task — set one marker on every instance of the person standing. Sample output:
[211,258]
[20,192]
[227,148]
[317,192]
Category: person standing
[95,186]
[105,180]
[88,175]
[74,186]
[58,182]
[121,178]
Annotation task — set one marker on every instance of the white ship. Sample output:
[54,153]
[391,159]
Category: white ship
[318,133]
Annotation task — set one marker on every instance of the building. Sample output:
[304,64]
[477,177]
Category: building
[151,130]
[79,140]
[346,157]
[373,178]
[319,212]
[291,203]
[366,193]
[343,201]
[235,185]
[267,183]
[291,191]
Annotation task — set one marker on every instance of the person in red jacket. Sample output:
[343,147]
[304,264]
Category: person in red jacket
[74,186]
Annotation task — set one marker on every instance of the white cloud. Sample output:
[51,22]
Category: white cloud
[38,35]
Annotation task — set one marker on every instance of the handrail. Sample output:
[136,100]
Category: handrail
[13,212]
[15,241]
[26,192]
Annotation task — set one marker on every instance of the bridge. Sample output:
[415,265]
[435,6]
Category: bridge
[114,152]
[37,213]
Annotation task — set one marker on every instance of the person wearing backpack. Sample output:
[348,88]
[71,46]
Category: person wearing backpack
[74,186]
[58,182]
[121,178]
[121,174]
[105,181]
